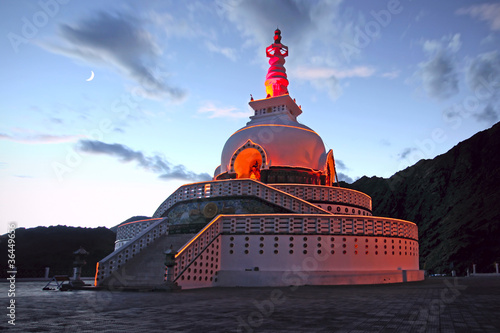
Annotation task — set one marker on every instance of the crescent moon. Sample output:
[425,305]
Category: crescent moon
[91,76]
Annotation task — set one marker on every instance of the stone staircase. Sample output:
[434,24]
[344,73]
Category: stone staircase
[147,269]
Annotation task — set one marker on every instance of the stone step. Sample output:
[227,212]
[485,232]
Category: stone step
[147,269]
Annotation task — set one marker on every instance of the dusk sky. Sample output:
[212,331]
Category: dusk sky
[384,83]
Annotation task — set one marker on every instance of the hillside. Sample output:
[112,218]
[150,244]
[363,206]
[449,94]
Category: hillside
[40,247]
[455,201]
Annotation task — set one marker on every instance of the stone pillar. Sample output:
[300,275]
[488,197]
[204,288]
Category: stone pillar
[474,269]
[47,270]
[80,255]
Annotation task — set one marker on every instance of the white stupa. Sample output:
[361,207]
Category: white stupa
[273,215]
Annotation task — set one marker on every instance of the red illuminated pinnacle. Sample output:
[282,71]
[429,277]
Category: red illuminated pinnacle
[276,80]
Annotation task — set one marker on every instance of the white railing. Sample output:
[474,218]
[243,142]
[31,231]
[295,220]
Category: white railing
[114,261]
[199,258]
[318,224]
[238,187]
[320,193]
[131,229]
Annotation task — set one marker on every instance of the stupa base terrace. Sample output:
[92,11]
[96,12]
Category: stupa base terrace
[242,232]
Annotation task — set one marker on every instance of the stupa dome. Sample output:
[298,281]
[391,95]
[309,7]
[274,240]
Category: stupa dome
[285,142]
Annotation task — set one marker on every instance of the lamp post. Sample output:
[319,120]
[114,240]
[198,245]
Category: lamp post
[170,263]
[80,256]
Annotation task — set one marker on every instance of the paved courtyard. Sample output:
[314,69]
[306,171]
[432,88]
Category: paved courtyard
[435,305]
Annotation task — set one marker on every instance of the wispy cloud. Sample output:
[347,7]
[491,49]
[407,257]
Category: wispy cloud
[328,78]
[225,51]
[40,138]
[391,75]
[214,111]
[155,163]
[121,42]
[23,176]
[489,12]
[313,73]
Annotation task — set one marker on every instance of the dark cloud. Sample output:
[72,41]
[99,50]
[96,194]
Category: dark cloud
[340,165]
[156,164]
[343,177]
[439,74]
[488,115]
[121,42]
[258,18]
[483,75]
[407,151]
[305,24]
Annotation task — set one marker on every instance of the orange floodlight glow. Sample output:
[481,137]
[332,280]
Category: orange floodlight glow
[157,218]
[248,163]
[198,235]
[96,271]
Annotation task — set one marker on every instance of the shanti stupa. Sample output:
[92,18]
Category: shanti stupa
[273,215]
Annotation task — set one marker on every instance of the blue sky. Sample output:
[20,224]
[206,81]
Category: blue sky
[385,84]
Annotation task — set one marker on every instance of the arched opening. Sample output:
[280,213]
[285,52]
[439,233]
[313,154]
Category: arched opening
[248,164]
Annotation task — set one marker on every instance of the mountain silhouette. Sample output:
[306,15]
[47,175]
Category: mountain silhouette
[455,201]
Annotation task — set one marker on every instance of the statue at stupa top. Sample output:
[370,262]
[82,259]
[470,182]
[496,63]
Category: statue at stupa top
[276,80]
